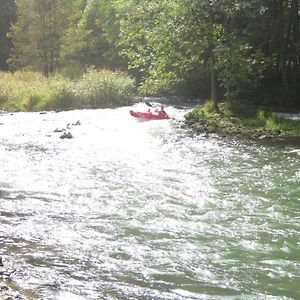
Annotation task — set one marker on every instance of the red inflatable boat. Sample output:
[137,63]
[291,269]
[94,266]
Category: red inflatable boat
[149,115]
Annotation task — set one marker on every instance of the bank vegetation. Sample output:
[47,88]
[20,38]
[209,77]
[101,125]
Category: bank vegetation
[246,53]
[242,120]
[33,91]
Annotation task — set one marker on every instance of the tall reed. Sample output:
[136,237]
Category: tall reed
[31,91]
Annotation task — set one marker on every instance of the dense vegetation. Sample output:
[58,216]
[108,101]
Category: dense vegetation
[243,120]
[218,49]
[32,91]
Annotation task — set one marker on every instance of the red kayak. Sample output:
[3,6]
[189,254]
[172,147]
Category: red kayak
[149,115]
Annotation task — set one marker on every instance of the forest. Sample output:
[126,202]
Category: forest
[238,51]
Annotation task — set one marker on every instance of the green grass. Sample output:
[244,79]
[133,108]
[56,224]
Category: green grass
[270,122]
[253,119]
[31,91]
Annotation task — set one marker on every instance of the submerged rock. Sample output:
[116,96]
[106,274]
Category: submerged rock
[59,130]
[74,124]
[9,290]
[5,273]
[66,135]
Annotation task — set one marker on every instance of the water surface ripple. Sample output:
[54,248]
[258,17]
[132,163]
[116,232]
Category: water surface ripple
[146,210]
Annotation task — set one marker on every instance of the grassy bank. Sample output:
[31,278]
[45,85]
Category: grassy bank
[31,91]
[242,120]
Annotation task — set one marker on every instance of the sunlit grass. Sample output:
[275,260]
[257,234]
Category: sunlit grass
[252,119]
[31,91]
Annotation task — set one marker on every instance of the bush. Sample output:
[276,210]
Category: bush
[261,117]
[209,106]
[267,120]
[23,90]
[195,114]
[29,91]
[105,88]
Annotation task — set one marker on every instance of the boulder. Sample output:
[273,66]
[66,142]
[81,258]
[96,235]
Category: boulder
[66,135]
[59,130]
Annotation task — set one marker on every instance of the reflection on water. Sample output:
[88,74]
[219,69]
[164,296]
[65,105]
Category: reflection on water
[145,210]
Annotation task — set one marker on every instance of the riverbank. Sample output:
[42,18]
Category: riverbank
[9,290]
[9,293]
[245,121]
[32,91]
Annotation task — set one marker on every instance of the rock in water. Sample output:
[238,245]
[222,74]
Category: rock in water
[66,135]
[59,130]
[5,273]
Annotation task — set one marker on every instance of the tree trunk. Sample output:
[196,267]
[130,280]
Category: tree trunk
[51,62]
[213,83]
[295,39]
[289,62]
[284,54]
[212,62]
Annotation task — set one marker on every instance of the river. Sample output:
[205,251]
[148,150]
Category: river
[146,210]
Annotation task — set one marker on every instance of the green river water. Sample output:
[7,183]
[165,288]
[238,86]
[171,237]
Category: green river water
[146,210]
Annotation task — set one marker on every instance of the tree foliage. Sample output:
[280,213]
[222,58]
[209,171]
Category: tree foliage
[235,49]
[84,43]
[242,46]
[37,35]
[7,17]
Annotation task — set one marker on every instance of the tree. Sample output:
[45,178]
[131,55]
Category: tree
[90,39]
[233,48]
[271,32]
[37,35]
[167,41]
[7,17]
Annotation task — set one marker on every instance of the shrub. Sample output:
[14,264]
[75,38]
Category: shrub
[105,88]
[271,124]
[33,92]
[261,117]
[209,106]
[195,114]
